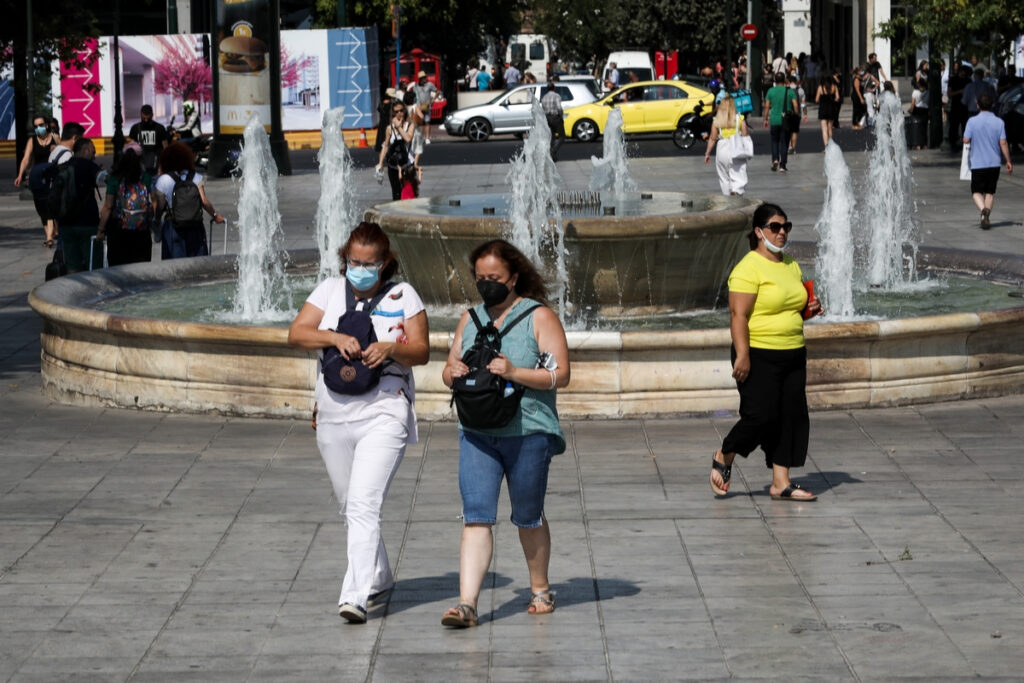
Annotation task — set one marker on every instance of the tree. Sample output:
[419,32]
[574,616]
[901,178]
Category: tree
[979,27]
[585,28]
[455,30]
[291,68]
[60,29]
[185,76]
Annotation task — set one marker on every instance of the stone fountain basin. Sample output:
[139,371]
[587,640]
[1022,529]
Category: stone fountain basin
[95,358]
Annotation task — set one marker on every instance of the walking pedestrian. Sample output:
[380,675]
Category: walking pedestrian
[827,96]
[777,102]
[986,134]
[534,355]
[37,152]
[767,306]
[732,170]
[362,437]
[551,103]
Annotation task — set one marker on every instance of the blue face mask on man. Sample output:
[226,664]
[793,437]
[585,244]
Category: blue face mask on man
[361,277]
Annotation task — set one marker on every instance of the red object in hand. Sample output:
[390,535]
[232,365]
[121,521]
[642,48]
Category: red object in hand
[811,298]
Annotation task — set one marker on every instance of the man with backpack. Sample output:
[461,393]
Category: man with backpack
[180,193]
[779,101]
[72,203]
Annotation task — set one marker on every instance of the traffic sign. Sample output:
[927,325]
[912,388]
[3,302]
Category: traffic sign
[748,31]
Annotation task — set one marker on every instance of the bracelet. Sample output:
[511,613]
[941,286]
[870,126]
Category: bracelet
[552,380]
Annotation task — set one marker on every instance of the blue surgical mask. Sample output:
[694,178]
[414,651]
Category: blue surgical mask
[40,130]
[361,277]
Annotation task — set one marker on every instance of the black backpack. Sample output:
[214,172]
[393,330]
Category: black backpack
[186,203]
[398,153]
[482,399]
[40,178]
[62,199]
[351,376]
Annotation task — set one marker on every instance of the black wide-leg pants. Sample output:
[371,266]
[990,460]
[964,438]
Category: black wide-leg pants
[773,408]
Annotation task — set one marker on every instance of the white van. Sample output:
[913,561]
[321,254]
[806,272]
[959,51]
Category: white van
[532,50]
[629,61]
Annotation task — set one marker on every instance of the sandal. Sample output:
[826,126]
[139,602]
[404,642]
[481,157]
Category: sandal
[787,494]
[542,602]
[460,616]
[48,243]
[722,469]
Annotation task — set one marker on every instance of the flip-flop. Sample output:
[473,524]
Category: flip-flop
[787,494]
[460,616]
[725,471]
[542,602]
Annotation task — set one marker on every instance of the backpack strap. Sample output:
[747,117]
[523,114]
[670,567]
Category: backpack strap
[350,297]
[507,327]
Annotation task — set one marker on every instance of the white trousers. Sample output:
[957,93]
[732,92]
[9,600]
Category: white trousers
[732,175]
[362,458]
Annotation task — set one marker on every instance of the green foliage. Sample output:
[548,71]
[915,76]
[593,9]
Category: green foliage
[455,30]
[585,28]
[962,27]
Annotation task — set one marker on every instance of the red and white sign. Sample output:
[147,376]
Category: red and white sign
[78,103]
[748,31]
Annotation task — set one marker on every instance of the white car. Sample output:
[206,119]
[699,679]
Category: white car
[512,112]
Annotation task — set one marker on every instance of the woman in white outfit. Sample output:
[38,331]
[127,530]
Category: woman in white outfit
[732,173]
[362,437]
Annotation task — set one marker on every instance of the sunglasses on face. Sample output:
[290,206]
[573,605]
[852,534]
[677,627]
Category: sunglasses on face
[775,227]
[399,110]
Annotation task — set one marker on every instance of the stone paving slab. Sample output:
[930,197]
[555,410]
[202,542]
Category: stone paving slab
[154,547]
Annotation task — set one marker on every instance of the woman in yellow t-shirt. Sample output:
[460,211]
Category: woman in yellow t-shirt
[767,300]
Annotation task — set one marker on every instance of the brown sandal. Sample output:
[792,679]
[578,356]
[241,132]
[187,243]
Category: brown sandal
[460,616]
[542,602]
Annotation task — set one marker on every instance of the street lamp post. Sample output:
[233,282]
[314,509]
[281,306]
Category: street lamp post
[118,139]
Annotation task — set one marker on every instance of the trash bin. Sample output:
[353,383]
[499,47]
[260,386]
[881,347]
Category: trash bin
[917,131]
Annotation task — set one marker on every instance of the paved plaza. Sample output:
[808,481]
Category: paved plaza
[156,547]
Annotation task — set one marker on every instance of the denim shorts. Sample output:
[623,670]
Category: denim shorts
[522,460]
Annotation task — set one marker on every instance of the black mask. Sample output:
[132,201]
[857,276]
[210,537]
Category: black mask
[492,292]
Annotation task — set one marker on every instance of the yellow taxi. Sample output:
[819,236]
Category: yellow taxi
[646,106]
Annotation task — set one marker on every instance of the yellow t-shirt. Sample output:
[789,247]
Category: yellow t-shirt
[776,321]
[727,133]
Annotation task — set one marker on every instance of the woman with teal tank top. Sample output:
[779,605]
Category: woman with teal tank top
[535,355]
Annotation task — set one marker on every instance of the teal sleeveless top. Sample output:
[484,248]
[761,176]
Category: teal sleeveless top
[537,411]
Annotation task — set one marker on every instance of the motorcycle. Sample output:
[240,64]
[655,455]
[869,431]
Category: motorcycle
[693,126]
[200,145]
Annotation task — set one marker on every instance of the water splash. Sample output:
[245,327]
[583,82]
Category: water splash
[534,215]
[263,292]
[833,267]
[336,209]
[611,171]
[888,202]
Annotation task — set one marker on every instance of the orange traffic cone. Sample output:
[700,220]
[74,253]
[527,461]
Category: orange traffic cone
[362,138]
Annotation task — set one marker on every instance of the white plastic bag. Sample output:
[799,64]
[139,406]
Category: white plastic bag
[965,164]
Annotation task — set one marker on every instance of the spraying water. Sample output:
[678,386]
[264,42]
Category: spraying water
[888,200]
[336,211]
[262,289]
[611,171]
[833,266]
[534,215]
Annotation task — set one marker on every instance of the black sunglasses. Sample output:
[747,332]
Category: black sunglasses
[775,227]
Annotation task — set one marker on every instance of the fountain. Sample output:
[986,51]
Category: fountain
[611,171]
[888,201]
[336,210]
[262,288]
[627,256]
[534,213]
[833,266]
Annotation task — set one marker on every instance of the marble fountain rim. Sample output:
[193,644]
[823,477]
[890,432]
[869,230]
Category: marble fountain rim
[65,300]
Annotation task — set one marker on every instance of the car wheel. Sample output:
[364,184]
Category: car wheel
[478,130]
[585,130]
[684,138]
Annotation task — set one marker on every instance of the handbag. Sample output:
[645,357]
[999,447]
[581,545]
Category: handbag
[741,147]
[965,163]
